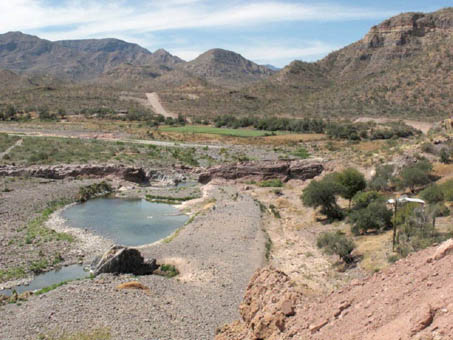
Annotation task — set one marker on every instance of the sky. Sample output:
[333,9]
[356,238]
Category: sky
[272,32]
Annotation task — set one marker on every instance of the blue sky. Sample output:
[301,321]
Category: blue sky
[267,32]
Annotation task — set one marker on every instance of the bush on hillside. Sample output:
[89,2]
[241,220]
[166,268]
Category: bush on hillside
[337,243]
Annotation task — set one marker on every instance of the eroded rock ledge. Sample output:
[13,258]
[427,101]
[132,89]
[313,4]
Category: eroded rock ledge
[409,300]
[128,173]
[262,170]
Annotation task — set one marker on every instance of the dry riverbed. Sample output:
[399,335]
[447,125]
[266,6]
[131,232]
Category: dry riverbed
[216,254]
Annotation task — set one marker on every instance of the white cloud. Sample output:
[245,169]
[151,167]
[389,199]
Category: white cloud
[142,23]
[100,18]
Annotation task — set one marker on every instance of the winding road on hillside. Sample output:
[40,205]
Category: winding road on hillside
[156,105]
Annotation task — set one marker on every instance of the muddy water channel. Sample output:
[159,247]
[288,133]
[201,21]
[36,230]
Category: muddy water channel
[124,221]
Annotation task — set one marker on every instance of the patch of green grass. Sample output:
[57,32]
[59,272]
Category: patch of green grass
[51,287]
[195,129]
[11,273]
[301,153]
[168,199]
[168,270]
[271,183]
[36,230]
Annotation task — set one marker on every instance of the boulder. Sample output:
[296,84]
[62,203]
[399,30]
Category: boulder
[262,170]
[122,260]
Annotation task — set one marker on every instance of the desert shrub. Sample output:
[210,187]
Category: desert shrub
[433,194]
[418,174]
[418,233]
[447,189]
[445,156]
[376,216]
[363,198]
[428,148]
[337,243]
[168,270]
[322,194]
[382,178]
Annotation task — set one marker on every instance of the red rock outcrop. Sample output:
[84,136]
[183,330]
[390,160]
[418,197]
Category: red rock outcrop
[284,169]
[412,299]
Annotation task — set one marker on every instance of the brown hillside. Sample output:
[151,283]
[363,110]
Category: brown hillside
[226,68]
[410,300]
[403,67]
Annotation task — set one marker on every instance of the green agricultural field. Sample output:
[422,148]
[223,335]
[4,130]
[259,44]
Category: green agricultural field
[218,131]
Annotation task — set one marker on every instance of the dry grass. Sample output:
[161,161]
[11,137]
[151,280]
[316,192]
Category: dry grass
[443,170]
[375,250]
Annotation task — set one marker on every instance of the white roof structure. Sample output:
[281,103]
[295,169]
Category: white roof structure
[405,199]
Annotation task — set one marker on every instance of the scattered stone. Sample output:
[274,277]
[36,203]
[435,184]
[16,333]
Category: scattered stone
[423,319]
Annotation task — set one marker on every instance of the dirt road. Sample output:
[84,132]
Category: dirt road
[154,102]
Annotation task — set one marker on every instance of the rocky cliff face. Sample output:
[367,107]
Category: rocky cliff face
[284,170]
[410,300]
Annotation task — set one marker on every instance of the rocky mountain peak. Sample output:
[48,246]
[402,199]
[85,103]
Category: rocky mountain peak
[163,57]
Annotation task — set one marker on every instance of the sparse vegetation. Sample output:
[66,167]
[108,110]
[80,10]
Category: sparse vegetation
[271,183]
[167,270]
[94,190]
[337,243]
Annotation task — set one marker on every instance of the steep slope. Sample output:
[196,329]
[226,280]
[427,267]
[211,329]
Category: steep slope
[410,300]
[226,68]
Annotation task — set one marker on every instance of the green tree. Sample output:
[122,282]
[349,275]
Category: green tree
[375,216]
[337,243]
[322,194]
[362,199]
[382,178]
[352,181]
[433,194]
[416,175]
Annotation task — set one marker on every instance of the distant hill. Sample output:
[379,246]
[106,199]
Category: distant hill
[402,67]
[69,60]
[226,68]
[272,67]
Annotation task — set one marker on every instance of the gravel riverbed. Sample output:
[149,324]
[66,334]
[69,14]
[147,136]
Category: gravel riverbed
[216,253]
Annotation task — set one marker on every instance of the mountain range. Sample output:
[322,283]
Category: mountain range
[402,67]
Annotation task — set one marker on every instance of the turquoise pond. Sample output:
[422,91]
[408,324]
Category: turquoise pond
[125,222]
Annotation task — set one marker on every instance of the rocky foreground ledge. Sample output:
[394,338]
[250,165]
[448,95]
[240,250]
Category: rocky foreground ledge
[262,170]
[117,171]
[412,299]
